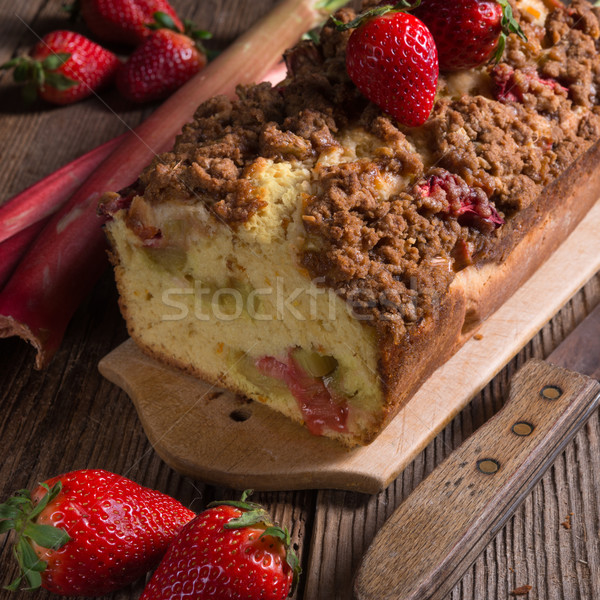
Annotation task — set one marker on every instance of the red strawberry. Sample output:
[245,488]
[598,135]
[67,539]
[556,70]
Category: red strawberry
[124,21]
[64,67]
[229,551]
[90,532]
[163,63]
[392,59]
[468,33]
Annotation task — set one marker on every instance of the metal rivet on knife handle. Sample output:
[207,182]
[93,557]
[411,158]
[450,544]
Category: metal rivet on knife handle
[489,466]
[551,392]
[522,428]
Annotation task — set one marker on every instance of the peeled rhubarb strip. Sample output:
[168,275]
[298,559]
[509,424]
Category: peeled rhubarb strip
[69,255]
[47,196]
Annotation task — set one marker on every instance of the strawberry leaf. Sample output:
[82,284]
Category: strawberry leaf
[196,34]
[163,21]
[14,585]
[7,525]
[59,81]
[23,71]
[499,52]
[277,532]
[54,61]
[46,498]
[313,35]
[7,511]
[11,63]
[509,25]
[47,536]
[34,580]
[30,564]
[38,73]
[190,29]
[30,560]
[248,519]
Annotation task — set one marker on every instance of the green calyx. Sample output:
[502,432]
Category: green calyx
[35,73]
[19,513]
[377,11]
[509,25]
[254,514]
[164,21]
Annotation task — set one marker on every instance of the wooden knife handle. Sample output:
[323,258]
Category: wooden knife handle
[437,533]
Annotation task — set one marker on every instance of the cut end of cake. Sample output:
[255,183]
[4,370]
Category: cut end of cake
[233,306]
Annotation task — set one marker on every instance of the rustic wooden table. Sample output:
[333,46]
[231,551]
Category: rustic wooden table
[68,417]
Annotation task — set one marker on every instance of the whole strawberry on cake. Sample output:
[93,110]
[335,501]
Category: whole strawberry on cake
[325,244]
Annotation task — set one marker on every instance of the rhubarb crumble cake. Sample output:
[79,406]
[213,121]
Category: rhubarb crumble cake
[301,247]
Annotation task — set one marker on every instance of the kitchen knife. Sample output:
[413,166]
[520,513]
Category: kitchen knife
[429,542]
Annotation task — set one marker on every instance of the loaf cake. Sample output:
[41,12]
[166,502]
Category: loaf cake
[301,248]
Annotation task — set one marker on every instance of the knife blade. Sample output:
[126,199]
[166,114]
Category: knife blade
[436,534]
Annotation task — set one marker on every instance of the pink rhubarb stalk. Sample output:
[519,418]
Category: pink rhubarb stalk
[69,255]
[15,247]
[44,198]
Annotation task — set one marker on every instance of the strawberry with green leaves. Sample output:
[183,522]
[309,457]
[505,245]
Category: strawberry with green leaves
[468,33]
[231,550]
[123,21]
[63,67]
[89,532]
[164,62]
[392,59]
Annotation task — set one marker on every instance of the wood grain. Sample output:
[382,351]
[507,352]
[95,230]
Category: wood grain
[70,417]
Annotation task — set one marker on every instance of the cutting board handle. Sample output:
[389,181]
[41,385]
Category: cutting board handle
[438,532]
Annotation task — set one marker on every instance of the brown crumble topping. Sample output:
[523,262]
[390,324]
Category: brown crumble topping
[394,259]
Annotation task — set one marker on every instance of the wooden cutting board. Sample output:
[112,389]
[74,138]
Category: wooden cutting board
[218,437]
